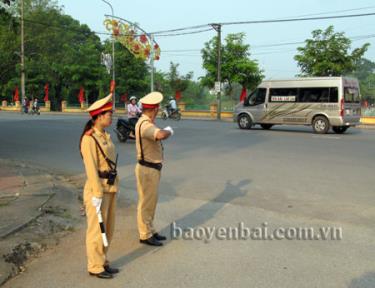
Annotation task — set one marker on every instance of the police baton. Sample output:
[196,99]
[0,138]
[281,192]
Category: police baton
[102,228]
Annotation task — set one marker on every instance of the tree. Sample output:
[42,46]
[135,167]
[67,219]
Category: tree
[364,68]
[9,56]
[62,52]
[131,72]
[236,65]
[327,54]
[365,73]
[177,82]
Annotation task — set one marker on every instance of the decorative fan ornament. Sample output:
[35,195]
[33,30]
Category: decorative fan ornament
[139,44]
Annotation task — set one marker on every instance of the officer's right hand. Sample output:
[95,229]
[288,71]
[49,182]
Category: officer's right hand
[96,202]
[169,128]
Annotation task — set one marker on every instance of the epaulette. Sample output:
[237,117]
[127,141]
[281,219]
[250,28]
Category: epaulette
[89,132]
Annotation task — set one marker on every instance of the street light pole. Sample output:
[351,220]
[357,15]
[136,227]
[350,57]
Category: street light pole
[22,56]
[152,62]
[113,59]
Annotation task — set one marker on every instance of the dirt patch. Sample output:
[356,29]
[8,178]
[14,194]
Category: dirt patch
[57,217]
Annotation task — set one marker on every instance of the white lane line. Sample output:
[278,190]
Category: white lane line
[326,137]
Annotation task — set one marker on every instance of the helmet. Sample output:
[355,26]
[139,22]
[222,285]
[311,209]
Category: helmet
[132,98]
[171,97]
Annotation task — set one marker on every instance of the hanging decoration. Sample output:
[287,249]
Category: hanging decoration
[137,41]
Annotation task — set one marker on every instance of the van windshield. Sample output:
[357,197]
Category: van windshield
[351,95]
[257,97]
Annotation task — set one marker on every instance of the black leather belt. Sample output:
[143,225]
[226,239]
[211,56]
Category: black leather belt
[104,175]
[156,166]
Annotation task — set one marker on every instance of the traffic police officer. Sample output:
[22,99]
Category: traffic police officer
[99,157]
[148,168]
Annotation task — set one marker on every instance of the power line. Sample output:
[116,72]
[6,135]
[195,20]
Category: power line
[185,33]
[63,27]
[331,12]
[297,19]
[353,38]
[180,29]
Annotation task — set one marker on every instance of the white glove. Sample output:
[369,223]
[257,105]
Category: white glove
[96,202]
[169,128]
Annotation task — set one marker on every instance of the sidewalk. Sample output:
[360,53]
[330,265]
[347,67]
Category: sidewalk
[21,190]
[31,210]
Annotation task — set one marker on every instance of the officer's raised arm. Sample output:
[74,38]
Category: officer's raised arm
[163,134]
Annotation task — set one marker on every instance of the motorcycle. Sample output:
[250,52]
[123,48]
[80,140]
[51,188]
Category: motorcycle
[34,110]
[125,129]
[167,113]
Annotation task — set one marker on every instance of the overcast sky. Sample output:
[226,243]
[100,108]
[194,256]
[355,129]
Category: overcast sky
[277,62]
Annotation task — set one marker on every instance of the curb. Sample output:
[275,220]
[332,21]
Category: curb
[31,219]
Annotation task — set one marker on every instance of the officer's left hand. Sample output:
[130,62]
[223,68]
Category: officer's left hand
[96,202]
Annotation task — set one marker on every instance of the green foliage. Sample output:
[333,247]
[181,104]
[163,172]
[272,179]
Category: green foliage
[62,52]
[178,82]
[365,72]
[236,65]
[327,54]
[131,72]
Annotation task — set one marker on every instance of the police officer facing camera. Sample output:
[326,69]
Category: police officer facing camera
[148,168]
[100,160]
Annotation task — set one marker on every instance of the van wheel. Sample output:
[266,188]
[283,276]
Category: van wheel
[320,125]
[266,126]
[339,129]
[244,121]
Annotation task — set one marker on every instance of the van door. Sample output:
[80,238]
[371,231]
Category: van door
[282,106]
[256,104]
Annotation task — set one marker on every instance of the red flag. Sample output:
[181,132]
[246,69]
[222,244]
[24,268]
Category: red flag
[178,95]
[113,85]
[46,91]
[16,96]
[124,98]
[243,94]
[81,95]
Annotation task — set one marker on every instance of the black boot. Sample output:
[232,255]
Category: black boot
[159,237]
[102,275]
[110,270]
[151,241]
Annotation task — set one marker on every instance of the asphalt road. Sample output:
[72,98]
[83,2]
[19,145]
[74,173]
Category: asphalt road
[217,175]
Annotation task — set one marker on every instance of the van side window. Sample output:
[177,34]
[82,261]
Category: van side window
[333,95]
[314,95]
[257,97]
[351,95]
[283,95]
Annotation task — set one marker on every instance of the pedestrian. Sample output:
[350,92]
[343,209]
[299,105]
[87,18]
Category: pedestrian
[27,105]
[24,105]
[35,105]
[100,161]
[148,168]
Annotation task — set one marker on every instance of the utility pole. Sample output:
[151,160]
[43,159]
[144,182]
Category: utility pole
[22,55]
[113,60]
[217,27]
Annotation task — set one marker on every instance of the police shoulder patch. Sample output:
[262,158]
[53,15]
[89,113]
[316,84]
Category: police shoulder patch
[89,132]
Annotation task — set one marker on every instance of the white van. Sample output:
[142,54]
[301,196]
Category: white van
[323,102]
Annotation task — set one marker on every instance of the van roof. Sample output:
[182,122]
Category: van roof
[309,79]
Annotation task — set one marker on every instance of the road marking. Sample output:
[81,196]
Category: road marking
[327,137]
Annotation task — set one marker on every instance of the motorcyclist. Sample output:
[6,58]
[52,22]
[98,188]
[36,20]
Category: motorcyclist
[133,111]
[172,105]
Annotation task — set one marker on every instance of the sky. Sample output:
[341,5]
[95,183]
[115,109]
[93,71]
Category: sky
[276,62]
